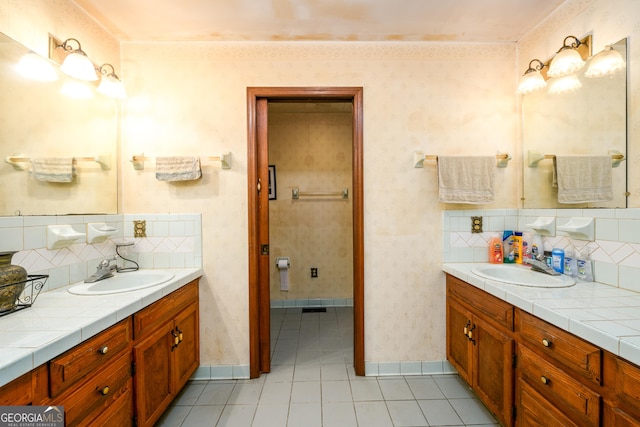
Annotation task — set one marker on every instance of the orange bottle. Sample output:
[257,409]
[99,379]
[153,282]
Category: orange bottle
[495,250]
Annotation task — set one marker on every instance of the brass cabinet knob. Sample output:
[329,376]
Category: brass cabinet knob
[104,391]
[103,350]
[545,380]
[546,342]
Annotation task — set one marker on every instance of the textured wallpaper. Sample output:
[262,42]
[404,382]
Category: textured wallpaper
[311,152]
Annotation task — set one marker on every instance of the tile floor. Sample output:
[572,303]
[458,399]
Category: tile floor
[312,383]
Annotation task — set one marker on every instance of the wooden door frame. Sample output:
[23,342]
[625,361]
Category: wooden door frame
[258,304]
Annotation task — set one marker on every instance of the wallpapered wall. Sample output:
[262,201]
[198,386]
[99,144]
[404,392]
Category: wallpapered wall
[311,151]
[442,98]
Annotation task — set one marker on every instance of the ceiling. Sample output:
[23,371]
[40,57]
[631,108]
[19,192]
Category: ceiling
[319,20]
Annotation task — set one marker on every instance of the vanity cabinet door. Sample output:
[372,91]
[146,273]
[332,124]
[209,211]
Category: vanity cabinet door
[535,411]
[459,352]
[17,392]
[480,346]
[493,368]
[153,377]
[187,353]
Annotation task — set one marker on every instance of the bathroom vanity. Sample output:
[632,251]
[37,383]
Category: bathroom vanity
[127,374]
[529,372]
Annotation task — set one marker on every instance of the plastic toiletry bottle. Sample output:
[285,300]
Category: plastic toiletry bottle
[509,256]
[537,250]
[557,259]
[547,259]
[495,249]
[526,246]
[570,263]
[517,246]
[585,269]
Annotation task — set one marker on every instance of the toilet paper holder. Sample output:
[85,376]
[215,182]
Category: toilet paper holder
[282,259]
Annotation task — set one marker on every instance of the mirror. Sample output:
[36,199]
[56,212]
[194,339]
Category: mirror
[589,121]
[37,121]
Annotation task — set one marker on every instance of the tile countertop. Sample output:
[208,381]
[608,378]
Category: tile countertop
[58,321]
[606,316]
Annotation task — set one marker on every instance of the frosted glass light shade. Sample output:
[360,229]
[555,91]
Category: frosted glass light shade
[79,66]
[605,63]
[111,86]
[566,62]
[35,67]
[564,84]
[531,81]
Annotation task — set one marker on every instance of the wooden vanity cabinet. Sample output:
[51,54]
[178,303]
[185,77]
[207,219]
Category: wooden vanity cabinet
[480,345]
[560,379]
[127,374]
[166,352]
[622,405]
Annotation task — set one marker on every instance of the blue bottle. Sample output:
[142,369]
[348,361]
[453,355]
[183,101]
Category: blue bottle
[557,260]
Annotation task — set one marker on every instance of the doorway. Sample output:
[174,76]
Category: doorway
[258,178]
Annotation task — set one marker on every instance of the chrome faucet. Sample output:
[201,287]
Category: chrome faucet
[537,265]
[104,270]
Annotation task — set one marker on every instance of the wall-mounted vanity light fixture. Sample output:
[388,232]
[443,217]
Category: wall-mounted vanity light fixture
[110,84]
[605,63]
[532,80]
[77,64]
[561,68]
[568,59]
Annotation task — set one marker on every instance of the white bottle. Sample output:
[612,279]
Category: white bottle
[570,263]
[585,271]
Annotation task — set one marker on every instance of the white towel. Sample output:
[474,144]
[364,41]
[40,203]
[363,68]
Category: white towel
[53,169]
[584,179]
[466,179]
[178,168]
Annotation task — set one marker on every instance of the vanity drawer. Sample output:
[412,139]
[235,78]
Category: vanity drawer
[570,396]
[569,350]
[490,307]
[99,393]
[96,352]
[157,313]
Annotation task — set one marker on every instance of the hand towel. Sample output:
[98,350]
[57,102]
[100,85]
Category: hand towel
[466,179]
[584,179]
[53,169]
[178,168]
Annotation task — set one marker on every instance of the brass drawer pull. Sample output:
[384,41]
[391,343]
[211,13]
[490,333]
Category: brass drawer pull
[104,391]
[103,350]
[466,329]
[545,380]
[546,342]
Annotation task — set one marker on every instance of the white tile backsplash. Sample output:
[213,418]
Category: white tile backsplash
[615,251]
[173,241]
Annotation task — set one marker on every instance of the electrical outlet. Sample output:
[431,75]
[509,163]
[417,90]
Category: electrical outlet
[140,228]
[476,224]
[314,272]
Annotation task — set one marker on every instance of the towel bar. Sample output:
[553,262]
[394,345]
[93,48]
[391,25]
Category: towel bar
[297,194]
[419,157]
[534,157]
[225,159]
[104,161]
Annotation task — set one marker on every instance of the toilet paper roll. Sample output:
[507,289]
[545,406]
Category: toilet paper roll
[283,266]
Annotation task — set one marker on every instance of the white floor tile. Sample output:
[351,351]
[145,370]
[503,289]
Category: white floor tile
[338,414]
[305,415]
[201,416]
[305,392]
[424,388]
[336,391]
[472,411]
[274,392]
[271,415]
[395,389]
[246,394]
[334,372]
[406,413]
[373,414]
[307,372]
[439,412]
[215,393]
[237,415]
[366,390]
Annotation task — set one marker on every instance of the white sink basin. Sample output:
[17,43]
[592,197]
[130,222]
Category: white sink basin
[123,282]
[522,276]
